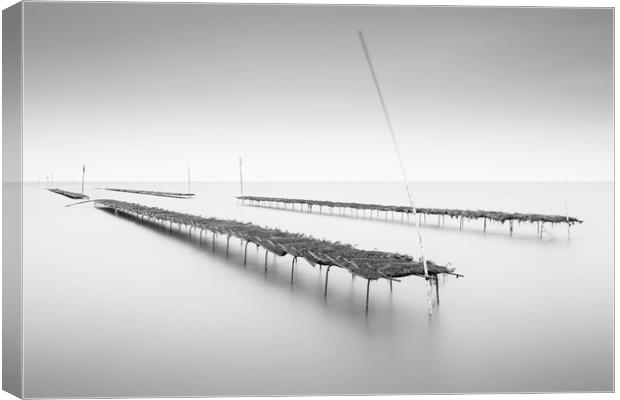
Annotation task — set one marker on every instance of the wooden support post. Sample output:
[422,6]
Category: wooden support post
[200,240]
[437,288]
[213,242]
[227,244]
[485,225]
[266,255]
[367,294]
[511,227]
[293,268]
[327,279]
[245,254]
[391,285]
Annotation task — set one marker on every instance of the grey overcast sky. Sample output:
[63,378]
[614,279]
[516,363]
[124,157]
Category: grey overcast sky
[139,91]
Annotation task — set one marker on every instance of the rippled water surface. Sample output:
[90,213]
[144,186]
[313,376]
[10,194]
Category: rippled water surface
[116,308]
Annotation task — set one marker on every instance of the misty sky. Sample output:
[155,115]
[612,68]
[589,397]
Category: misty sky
[139,91]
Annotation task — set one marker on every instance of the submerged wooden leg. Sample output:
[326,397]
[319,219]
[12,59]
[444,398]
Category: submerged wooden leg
[437,288]
[367,294]
[227,244]
[293,268]
[213,242]
[326,279]
[245,254]
[266,255]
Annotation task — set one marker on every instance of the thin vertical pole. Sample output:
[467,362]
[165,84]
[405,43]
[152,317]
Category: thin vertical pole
[189,181]
[83,172]
[241,175]
[566,207]
[400,161]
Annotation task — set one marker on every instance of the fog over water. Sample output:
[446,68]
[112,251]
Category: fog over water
[116,308]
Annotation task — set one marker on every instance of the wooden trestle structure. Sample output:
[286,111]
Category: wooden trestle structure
[370,265]
[441,213]
[71,195]
[153,193]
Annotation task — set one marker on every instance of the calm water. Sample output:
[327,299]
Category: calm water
[115,308]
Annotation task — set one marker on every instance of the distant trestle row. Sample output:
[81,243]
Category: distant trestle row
[71,195]
[153,193]
[497,216]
